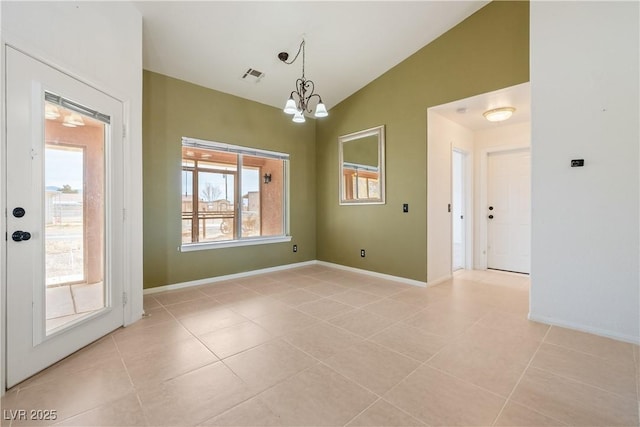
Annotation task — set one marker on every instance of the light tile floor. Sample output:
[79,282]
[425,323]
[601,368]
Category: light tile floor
[316,346]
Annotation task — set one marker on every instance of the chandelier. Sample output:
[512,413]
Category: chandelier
[300,98]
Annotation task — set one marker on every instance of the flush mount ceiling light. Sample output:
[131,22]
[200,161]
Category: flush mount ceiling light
[498,114]
[300,98]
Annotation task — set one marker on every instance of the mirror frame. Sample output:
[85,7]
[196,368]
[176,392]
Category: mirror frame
[378,131]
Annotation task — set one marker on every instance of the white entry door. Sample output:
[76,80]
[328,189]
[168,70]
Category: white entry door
[64,199]
[509,211]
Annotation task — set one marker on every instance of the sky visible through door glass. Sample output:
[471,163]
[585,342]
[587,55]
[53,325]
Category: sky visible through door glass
[64,167]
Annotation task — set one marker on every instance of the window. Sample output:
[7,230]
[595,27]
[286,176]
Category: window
[232,194]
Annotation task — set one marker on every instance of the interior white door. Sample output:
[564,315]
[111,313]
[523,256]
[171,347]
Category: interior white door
[458,210]
[64,201]
[509,210]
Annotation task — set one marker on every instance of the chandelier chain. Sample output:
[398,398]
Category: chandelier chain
[300,49]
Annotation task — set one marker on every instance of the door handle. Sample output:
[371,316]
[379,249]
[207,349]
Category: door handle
[490,216]
[19,236]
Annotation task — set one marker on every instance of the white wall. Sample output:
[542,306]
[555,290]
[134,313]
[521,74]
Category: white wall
[501,137]
[443,135]
[585,222]
[99,43]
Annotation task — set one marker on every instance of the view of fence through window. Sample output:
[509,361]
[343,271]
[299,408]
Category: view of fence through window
[64,214]
[225,195]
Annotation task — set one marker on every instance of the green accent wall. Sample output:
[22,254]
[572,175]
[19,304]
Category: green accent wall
[486,52]
[172,109]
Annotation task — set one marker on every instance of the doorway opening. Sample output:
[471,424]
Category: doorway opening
[457,229]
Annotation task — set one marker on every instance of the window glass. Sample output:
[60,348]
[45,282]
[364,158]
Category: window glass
[229,196]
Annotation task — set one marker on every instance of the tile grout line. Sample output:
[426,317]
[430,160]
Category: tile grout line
[109,401]
[256,395]
[504,405]
[323,363]
[425,363]
[582,383]
[202,343]
[362,412]
[135,389]
[560,423]
[368,339]
[379,396]
[420,365]
[221,360]
[34,378]
[449,374]
[610,361]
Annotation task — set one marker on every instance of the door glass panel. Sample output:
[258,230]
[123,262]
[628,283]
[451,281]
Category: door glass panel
[74,244]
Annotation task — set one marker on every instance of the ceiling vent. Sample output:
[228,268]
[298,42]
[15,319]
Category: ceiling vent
[253,75]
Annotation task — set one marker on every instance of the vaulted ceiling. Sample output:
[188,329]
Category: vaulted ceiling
[348,44]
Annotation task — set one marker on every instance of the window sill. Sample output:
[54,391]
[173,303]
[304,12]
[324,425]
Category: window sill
[233,243]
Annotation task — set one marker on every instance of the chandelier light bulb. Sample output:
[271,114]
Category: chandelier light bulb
[321,110]
[290,106]
[298,117]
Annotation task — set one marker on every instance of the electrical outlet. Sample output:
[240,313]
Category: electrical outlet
[295,248]
[362,253]
[405,207]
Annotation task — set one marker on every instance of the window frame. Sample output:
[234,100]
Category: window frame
[240,152]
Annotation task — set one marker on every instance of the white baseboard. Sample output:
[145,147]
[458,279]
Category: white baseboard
[583,328]
[374,274]
[200,282]
[439,280]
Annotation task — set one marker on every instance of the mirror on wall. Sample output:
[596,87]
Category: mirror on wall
[361,164]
